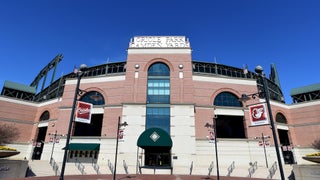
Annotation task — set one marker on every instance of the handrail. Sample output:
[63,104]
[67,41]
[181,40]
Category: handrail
[191,168]
[139,167]
[253,168]
[210,168]
[125,166]
[95,166]
[110,166]
[80,166]
[231,168]
[55,166]
[272,170]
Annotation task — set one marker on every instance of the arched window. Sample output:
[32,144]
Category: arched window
[158,97]
[45,116]
[93,97]
[159,69]
[158,114]
[227,99]
[280,118]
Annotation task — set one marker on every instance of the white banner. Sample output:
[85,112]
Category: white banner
[258,115]
[83,113]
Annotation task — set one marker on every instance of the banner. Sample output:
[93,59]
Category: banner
[83,113]
[258,115]
[211,137]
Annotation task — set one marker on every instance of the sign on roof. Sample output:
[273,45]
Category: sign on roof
[159,42]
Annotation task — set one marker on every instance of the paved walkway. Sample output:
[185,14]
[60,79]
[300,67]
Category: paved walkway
[136,177]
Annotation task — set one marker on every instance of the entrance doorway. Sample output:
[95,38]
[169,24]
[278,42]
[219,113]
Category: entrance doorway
[286,146]
[38,146]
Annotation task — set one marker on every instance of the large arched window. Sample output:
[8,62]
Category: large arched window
[45,116]
[93,97]
[158,97]
[280,118]
[158,114]
[229,126]
[227,99]
[95,126]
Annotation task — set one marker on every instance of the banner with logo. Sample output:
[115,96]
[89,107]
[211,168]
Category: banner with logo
[211,137]
[83,113]
[258,115]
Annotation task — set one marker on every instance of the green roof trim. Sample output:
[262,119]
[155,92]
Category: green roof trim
[20,87]
[84,146]
[305,89]
[155,137]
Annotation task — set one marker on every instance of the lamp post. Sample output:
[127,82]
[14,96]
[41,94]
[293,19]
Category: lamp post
[214,127]
[259,71]
[54,137]
[263,138]
[116,155]
[79,74]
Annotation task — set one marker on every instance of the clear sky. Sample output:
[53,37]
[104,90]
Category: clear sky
[235,32]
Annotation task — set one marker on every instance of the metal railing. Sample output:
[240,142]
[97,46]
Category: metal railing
[253,168]
[54,166]
[125,166]
[80,166]
[95,166]
[231,168]
[110,166]
[191,168]
[138,171]
[272,170]
[210,168]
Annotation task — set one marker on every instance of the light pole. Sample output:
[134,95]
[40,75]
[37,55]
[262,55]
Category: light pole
[214,127]
[54,137]
[264,146]
[259,71]
[116,155]
[79,74]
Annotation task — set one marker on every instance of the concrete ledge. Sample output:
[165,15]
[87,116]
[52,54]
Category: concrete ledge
[13,168]
[307,172]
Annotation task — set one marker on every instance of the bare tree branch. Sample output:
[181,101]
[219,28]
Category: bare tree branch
[8,133]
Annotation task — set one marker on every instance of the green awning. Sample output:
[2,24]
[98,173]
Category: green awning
[84,146]
[154,137]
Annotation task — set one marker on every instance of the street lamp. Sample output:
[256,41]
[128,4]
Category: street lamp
[214,127]
[79,74]
[116,155]
[263,138]
[54,138]
[244,97]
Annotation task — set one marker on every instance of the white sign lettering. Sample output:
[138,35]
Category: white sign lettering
[159,42]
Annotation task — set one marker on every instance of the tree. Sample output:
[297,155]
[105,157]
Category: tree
[316,144]
[8,133]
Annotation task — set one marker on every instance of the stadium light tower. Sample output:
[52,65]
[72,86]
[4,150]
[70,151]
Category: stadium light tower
[80,72]
[266,95]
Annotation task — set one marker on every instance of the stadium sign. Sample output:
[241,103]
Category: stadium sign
[159,42]
[83,113]
[258,115]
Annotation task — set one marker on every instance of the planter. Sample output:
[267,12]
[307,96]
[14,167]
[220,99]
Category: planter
[7,153]
[315,159]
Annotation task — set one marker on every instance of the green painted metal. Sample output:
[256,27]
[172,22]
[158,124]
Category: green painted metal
[154,137]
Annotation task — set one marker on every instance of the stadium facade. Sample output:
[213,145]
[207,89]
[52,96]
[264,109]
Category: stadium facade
[166,98]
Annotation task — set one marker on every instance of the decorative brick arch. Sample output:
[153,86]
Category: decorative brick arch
[43,114]
[282,114]
[156,60]
[97,90]
[217,92]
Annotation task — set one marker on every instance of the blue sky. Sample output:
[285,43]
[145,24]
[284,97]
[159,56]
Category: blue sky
[235,32]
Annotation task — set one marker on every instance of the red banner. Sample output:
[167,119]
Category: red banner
[258,115]
[83,113]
